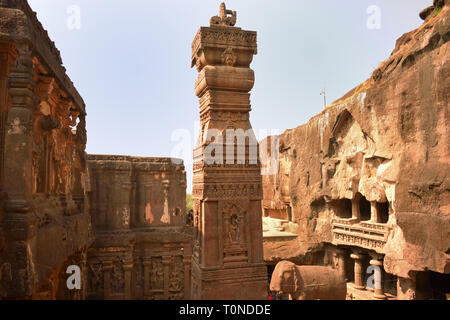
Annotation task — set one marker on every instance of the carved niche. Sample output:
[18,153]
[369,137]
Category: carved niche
[234,225]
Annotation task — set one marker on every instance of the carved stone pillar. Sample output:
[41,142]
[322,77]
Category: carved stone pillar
[339,261]
[147,262]
[128,269]
[377,263]
[359,284]
[227,184]
[374,214]
[187,260]
[107,268]
[356,213]
[8,55]
[19,225]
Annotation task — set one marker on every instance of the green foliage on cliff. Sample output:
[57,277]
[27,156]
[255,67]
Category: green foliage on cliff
[436,11]
[189,203]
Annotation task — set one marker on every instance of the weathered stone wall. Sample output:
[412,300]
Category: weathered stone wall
[44,225]
[142,248]
[372,170]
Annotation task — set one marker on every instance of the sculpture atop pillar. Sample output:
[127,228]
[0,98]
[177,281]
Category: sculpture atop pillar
[223,18]
[228,258]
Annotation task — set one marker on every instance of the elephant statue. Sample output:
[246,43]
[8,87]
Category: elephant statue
[308,282]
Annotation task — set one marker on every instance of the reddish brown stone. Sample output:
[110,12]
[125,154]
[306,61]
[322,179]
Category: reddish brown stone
[228,257]
[371,171]
[142,249]
[44,225]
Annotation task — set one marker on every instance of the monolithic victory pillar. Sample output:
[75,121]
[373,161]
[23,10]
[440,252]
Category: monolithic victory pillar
[228,260]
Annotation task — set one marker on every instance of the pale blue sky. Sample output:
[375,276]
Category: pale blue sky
[130,61]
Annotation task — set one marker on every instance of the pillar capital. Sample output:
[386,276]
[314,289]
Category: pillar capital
[356,256]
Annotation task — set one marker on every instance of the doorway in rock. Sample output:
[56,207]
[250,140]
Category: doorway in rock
[432,285]
[364,209]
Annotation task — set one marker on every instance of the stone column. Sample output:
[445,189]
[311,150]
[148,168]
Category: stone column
[107,268]
[227,181]
[356,214]
[8,55]
[19,226]
[339,261]
[374,217]
[128,270]
[358,270]
[377,263]
[187,260]
[147,262]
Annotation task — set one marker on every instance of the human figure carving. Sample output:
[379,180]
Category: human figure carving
[235,227]
[176,277]
[154,275]
[223,19]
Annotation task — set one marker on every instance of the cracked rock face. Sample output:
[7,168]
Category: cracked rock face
[379,156]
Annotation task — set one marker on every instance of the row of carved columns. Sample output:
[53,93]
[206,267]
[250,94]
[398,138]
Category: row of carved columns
[375,215]
[406,287]
[377,266]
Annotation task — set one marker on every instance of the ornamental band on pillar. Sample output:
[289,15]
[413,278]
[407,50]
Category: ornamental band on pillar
[227,260]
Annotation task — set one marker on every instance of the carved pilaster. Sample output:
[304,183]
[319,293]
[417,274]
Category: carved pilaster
[187,260]
[166,260]
[19,227]
[8,55]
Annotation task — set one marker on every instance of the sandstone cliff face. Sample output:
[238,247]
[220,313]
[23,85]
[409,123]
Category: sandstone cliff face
[385,144]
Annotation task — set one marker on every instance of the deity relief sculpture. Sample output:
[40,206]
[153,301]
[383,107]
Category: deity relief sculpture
[223,19]
[234,229]
[157,275]
[117,278]
[228,57]
[16,127]
[177,275]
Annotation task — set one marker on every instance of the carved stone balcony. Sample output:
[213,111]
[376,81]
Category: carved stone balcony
[363,234]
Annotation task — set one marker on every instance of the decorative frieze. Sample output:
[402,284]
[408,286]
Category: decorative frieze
[367,235]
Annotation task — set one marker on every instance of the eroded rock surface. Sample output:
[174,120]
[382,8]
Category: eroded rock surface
[372,170]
